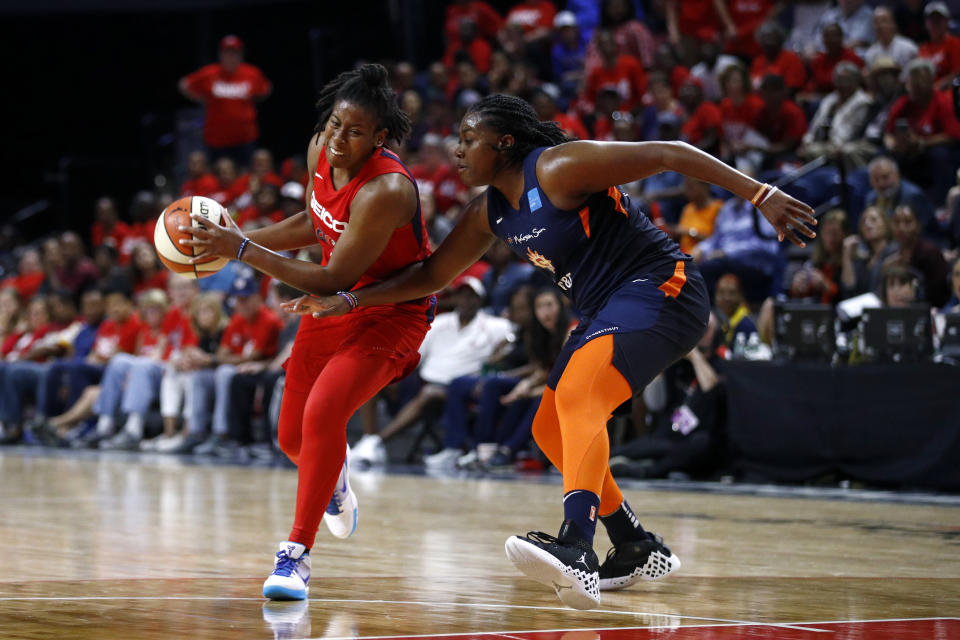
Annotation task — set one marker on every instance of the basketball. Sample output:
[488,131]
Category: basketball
[166,236]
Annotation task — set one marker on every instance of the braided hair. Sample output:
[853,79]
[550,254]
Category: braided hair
[367,87]
[510,115]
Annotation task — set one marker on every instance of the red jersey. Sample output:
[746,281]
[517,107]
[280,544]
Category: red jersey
[242,337]
[178,330]
[937,117]
[113,337]
[206,185]
[705,119]
[231,113]
[821,69]
[444,182]
[944,54]
[253,213]
[533,14]
[114,237]
[787,64]
[626,76]
[330,214]
[697,18]
[747,15]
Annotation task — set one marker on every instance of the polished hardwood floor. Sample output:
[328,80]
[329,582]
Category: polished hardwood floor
[127,546]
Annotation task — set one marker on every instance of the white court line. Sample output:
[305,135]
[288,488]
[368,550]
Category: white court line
[478,605]
[650,628]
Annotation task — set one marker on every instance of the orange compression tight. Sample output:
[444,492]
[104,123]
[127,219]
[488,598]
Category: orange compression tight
[571,425]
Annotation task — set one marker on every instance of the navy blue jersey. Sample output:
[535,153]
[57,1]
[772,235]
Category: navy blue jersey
[589,252]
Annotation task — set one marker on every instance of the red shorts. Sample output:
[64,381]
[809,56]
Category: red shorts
[380,331]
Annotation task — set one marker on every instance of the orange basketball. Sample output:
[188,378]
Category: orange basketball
[166,236]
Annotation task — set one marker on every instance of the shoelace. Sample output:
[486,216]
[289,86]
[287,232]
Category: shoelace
[285,564]
[545,538]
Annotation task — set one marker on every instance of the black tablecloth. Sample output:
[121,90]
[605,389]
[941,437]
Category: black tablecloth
[882,424]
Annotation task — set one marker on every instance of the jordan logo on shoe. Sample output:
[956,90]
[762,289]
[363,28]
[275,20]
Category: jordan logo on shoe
[583,561]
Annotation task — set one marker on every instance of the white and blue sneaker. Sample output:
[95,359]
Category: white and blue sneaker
[291,573]
[341,515]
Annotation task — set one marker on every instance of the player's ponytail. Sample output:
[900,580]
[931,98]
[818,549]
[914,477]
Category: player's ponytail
[368,87]
[514,116]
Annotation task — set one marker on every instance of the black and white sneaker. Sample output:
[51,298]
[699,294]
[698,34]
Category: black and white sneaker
[628,562]
[568,564]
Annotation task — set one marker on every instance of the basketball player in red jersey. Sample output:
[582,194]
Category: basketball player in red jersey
[643,305]
[364,210]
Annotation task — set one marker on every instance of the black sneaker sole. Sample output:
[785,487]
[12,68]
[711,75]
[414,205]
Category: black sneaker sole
[658,565]
[576,588]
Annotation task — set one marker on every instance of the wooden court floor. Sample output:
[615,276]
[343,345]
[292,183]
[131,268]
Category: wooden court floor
[146,547]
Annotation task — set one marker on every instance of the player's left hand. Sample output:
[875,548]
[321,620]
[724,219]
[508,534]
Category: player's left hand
[214,240]
[788,216]
[318,307]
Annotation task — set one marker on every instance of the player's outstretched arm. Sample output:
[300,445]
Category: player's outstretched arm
[466,244]
[570,172]
[296,231]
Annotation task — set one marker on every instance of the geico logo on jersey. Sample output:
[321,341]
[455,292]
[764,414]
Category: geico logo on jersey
[326,217]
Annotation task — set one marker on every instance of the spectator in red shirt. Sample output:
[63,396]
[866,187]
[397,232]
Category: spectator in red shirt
[922,131]
[38,324]
[76,271]
[823,64]
[144,211]
[199,182]
[739,108]
[548,111]
[536,17]
[146,272]
[240,193]
[943,48]
[470,42]
[30,275]
[696,20]
[488,21]
[229,89]
[632,36]
[294,169]
[264,210]
[225,171]
[108,228]
[746,16]
[703,128]
[435,174]
[777,60]
[781,122]
[623,72]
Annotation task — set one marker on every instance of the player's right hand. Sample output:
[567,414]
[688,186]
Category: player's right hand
[318,307]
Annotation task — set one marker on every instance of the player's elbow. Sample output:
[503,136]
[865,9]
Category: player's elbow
[672,154]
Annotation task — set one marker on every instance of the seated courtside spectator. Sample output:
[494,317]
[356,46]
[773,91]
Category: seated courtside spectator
[864,254]
[921,255]
[889,190]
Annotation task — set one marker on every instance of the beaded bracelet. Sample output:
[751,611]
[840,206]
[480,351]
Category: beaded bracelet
[243,247]
[350,298]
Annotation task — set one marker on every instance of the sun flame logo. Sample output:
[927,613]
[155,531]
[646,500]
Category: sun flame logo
[539,260]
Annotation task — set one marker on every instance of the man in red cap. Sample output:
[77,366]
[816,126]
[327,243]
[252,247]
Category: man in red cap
[229,89]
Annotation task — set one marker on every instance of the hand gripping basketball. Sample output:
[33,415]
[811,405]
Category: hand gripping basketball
[212,239]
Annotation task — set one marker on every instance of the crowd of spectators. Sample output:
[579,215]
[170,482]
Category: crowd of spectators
[94,342]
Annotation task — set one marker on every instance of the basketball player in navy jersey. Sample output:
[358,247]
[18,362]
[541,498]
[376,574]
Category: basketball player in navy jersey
[642,301]
[364,211]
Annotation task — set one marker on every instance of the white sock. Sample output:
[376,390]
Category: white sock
[134,425]
[104,425]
